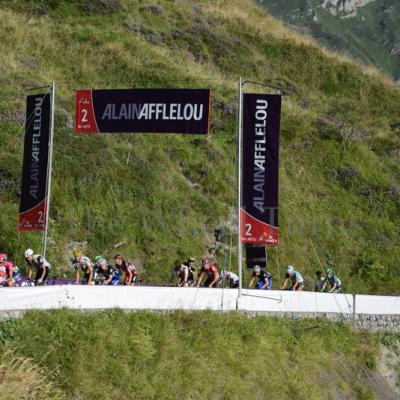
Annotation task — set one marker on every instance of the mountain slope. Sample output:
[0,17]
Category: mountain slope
[157,198]
[365,29]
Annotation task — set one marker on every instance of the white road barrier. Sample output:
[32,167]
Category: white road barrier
[381,305]
[173,298]
[299,302]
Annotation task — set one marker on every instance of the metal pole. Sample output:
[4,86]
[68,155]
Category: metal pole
[240,118]
[49,166]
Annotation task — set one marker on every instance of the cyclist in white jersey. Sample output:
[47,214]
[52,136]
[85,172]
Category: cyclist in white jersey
[41,265]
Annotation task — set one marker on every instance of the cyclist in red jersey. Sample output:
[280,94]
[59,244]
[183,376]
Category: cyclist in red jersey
[128,269]
[210,270]
[6,271]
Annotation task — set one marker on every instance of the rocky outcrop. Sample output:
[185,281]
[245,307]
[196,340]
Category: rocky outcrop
[344,8]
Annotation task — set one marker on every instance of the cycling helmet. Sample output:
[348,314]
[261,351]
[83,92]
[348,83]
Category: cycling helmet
[102,261]
[3,257]
[98,258]
[222,274]
[290,269]
[28,253]
[76,253]
[257,268]
[329,271]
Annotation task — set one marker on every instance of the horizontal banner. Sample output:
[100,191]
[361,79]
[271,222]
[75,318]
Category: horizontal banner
[143,111]
[260,167]
[33,202]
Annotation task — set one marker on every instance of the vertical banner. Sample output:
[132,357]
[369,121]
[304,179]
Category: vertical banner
[33,203]
[143,110]
[260,167]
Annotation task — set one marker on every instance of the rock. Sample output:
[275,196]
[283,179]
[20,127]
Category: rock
[135,28]
[190,56]
[383,239]
[150,35]
[28,62]
[393,192]
[226,108]
[18,117]
[66,117]
[395,50]
[346,174]
[344,8]
[153,8]
[7,184]
[100,6]
[216,124]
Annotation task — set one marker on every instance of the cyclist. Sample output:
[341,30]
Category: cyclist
[320,282]
[264,279]
[184,274]
[6,271]
[82,263]
[295,278]
[333,281]
[121,265]
[192,269]
[107,274]
[96,267]
[230,277]
[131,275]
[40,264]
[210,270]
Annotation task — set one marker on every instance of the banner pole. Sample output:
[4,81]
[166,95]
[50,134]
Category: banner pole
[49,167]
[240,117]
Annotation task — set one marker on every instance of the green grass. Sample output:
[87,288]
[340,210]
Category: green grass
[118,355]
[163,196]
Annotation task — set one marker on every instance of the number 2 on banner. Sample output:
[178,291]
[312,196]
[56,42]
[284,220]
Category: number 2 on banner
[40,217]
[248,229]
[84,116]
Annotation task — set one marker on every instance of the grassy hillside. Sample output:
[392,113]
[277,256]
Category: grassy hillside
[158,198]
[372,36]
[117,355]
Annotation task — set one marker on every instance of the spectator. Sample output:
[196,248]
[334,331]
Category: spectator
[40,264]
[320,282]
[264,279]
[107,274]
[82,263]
[295,278]
[210,270]
[230,277]
[333,281]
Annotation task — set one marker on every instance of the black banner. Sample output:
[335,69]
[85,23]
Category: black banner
[143,110]
[256,255]
[33,204]
[260,167]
